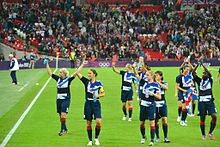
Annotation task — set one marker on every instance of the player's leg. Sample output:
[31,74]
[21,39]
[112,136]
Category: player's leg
[63,115]
[89,131]
[202,126]
[152,132]
[202,114]
[163,114]
[179,110]
[124,99]
[157,129]
[212,126]
[184,114]
[97,130]
[124,110]
[98,117]
[152,116]
[63,124]
[88,117]
[130,109]
[212,111]
[130,99]
[142,118]
[165,129]
[157,124]
[193,107]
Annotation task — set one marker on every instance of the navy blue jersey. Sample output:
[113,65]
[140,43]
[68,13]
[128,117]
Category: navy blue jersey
[63,86]
[161,102]
[205,88]
[91,89]
[162,92]
[153,87]
[141,84]
[127,79]
[185,81]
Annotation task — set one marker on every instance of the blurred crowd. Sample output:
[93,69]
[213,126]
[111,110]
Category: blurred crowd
[102,31]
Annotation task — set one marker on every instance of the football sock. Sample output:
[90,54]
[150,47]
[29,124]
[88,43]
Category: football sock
[157,130]
[130,112]
[63,123]
[212,125]
[97,131]
[142,129]
[202,127]
[124,110]
[184,114]
[89,131]
[179,111]
[193,108]
[152,132]
[165,130]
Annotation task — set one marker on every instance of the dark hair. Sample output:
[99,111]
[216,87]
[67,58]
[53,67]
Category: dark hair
[185,66]
[94,72]
[159,73]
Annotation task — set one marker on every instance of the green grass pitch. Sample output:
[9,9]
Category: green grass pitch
[41,125]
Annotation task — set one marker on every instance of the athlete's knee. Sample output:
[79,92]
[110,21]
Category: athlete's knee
[63,115]
[98,122]
[214,116]
[152,123]
[142,124]
[164,120]
[130,103]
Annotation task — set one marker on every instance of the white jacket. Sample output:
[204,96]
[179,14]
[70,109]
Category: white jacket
[16,66]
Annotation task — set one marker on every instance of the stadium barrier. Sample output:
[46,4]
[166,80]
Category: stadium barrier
[4,65]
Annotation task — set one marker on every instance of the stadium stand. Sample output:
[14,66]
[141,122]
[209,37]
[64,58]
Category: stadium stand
[127,30]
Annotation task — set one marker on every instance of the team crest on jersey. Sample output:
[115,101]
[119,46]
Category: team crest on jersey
[205,84]
[187,81]
[128,77]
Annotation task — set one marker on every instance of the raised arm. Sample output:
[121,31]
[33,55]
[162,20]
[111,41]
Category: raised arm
[206,70]
[165,87]
[48,69]
[194,70]
[135,71]
[115,70]
[190,65]
[79,69]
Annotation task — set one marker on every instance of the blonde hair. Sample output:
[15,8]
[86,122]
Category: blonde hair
[64,71]
[128,65]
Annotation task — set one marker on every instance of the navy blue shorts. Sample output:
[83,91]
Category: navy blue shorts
[206,108]
[63,105]
[92,109]
[126,95]
[181,97]
[161,111]
[147,112]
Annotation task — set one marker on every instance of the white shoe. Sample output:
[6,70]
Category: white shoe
[151,144]
[124,118]
[182,123]
[129,119]
[142,140]
[178,119]
[89,143]
[190,115]
[97,142]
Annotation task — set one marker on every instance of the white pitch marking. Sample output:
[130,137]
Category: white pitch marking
[12,131]
[22,87]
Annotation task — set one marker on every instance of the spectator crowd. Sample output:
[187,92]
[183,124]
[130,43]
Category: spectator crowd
[102,31]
